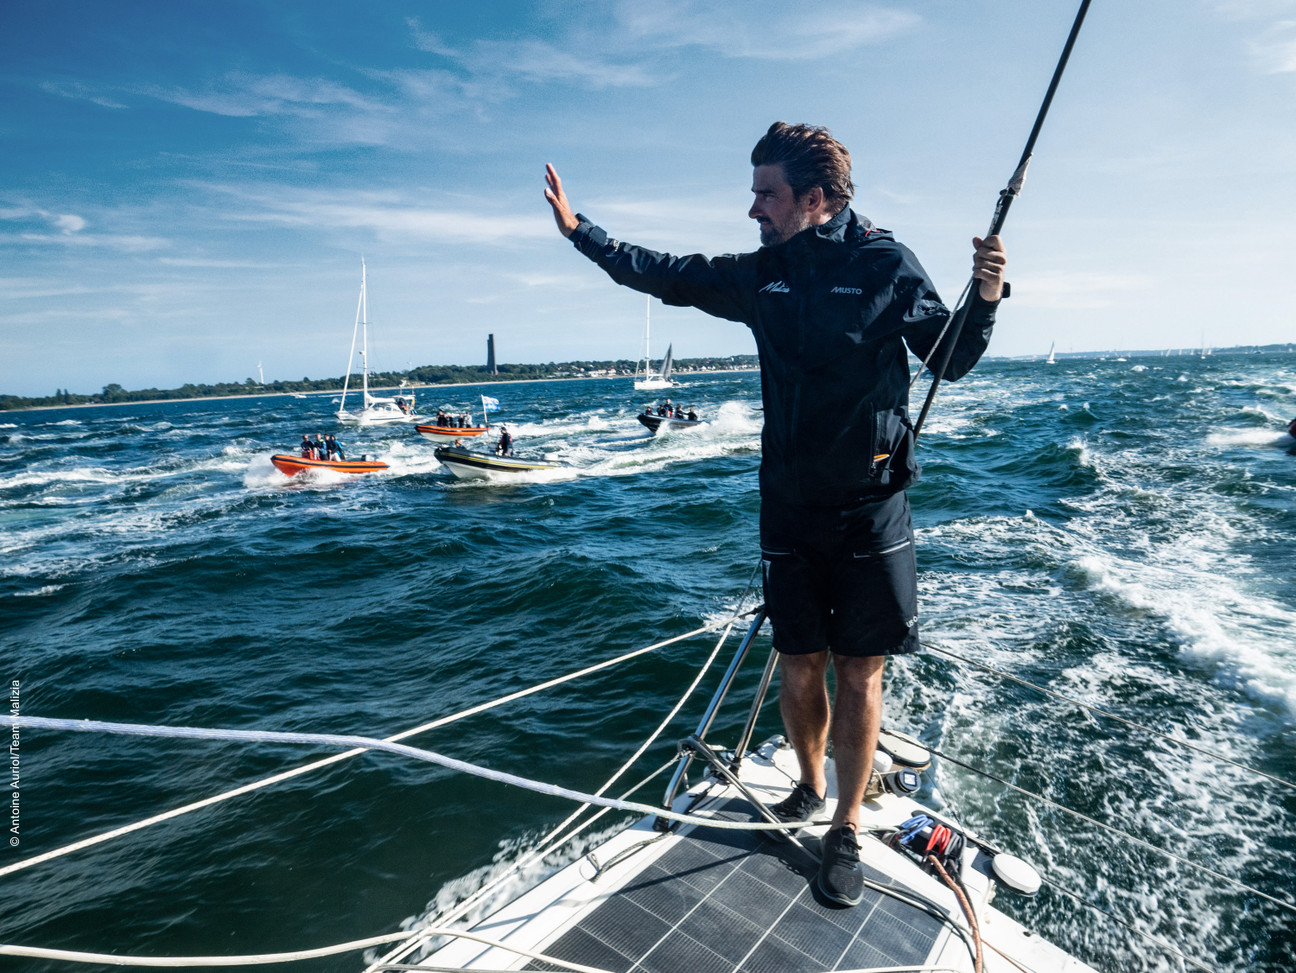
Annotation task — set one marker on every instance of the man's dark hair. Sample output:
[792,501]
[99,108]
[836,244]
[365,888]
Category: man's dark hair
[810,157]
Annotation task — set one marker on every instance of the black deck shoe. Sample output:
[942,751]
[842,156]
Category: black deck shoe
[800,805]
[841,877]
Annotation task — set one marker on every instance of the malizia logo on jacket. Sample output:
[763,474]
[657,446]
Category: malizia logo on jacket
[775,287]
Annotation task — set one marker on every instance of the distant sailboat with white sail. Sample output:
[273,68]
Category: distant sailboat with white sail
[373,410]
[1051,360]
[647,379]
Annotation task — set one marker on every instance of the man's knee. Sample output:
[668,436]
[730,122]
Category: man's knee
[861,674]
[802,674]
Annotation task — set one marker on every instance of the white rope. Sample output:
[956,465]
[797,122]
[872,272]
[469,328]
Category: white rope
[255,959]
[552,841]
[369,743]
[336,758]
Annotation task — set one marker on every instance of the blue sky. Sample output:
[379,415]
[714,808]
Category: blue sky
[186,189]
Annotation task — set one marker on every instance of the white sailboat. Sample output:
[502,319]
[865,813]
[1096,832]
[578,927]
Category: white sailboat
[1051,360]
[648,379]
[373,410]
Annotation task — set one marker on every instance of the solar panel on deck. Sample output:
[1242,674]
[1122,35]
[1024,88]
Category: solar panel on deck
[732,902]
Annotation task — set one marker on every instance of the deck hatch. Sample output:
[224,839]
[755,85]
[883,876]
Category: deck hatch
[730,902]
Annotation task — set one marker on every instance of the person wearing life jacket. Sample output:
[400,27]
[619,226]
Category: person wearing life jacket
[307,447]
[505,445]
[835,304]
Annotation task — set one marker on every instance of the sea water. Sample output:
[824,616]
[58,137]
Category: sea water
[1118,532]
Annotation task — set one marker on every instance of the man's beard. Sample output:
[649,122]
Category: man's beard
[772,235]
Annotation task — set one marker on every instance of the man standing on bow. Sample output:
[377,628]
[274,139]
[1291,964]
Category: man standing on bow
[832,301]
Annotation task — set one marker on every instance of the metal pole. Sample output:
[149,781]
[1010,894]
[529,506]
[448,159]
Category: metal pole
[1006,196]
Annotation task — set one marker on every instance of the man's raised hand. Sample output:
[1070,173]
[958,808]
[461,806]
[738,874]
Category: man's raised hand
[562,210]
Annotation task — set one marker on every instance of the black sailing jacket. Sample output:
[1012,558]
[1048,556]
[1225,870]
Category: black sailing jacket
[832,310]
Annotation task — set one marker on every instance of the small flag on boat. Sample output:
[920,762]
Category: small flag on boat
[489,404]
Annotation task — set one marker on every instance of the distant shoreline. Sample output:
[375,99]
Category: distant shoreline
[386,388]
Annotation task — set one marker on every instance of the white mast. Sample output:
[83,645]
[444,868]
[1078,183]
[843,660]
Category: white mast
[346,381]
[364,331]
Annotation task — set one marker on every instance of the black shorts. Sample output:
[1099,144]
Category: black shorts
[841,579]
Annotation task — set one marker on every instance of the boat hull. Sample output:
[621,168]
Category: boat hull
[469,465]
[292,465]
[649,384]
[447,434]
[655,422]
[376,417]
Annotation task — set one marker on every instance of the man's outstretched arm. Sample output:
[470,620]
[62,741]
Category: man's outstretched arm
[562,210]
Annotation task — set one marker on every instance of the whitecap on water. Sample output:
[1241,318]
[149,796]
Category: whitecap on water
[40,592]
[1245,437]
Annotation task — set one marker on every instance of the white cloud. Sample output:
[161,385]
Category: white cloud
[245,95]
[79,91]
[387,215]
[764,29]
[532,59]
[69,231]
[69,223]
[1076,290]
[124,242]
[625,50]
[1275,50]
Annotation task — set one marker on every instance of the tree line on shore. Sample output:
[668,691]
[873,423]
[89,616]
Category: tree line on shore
[423,375]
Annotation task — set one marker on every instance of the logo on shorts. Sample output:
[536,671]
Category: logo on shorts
[912,622]
[775,287]
[847,290]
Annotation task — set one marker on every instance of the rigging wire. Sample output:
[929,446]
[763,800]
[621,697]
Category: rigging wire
[1131,927]
[551,841]
[258,959]
[608,805]
[337,758]
[1116,831]
[955,324]
[370,743]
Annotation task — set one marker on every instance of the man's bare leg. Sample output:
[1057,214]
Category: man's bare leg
[803,701]
[856,720]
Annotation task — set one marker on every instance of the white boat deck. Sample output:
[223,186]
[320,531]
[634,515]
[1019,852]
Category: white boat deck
[706,900]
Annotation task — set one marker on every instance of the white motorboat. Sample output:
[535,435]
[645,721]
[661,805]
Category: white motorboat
[470,464]
[373,409]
